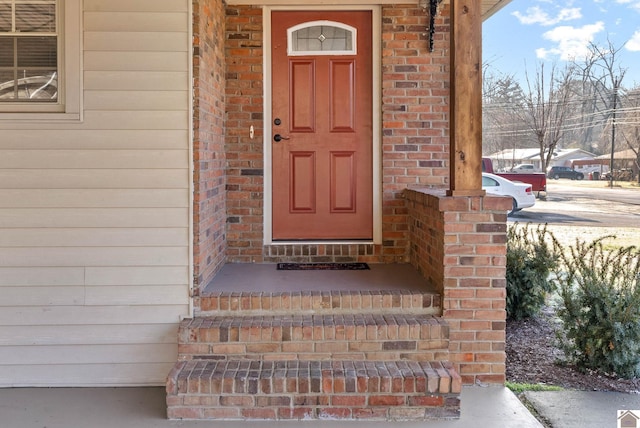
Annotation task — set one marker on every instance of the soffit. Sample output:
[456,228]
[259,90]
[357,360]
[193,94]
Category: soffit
[489,7]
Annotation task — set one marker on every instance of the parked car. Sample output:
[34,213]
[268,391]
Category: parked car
[557,172]
[624,174]
[521,193]
[538,180]
[524,168]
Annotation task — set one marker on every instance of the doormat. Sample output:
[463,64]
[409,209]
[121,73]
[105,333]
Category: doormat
[323,266]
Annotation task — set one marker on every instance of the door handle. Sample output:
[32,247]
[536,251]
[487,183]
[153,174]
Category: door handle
[277,138]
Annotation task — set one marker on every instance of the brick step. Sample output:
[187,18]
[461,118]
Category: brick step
[295,390]
[222,303]
[317,337]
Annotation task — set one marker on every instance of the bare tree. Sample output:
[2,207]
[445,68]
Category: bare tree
[502,96]
[602,67]
[587,115]
[546,108]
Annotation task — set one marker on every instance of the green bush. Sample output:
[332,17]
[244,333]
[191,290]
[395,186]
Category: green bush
[600,307]
[531,256]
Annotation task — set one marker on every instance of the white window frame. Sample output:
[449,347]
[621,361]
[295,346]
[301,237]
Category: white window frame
[68,107]
[351,30]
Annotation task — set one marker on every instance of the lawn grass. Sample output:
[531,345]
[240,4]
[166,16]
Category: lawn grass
[519,388]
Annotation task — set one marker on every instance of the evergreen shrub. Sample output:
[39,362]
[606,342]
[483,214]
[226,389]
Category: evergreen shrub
[600,307]
[531,257]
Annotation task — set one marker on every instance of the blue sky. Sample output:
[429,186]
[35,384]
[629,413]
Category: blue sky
[527,32]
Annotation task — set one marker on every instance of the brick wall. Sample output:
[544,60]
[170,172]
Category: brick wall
[245,169]
[415,110]
[208,146]
[459,244]
[415,140]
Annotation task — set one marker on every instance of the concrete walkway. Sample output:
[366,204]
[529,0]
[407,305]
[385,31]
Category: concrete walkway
[583,409]
[494,407]
[490,407]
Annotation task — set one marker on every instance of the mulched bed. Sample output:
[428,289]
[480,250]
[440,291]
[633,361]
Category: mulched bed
[532,357]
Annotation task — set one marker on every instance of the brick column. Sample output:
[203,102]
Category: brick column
[209,205]
[459,245]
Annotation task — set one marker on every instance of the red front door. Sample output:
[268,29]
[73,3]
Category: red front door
[321,131]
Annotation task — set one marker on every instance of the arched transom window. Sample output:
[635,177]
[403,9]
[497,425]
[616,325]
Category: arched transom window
[321,38]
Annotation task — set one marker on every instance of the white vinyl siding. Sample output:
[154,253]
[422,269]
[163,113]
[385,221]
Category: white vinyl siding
[95,257]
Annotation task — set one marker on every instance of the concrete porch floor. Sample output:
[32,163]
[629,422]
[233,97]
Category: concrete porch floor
[493,406]
[265,277]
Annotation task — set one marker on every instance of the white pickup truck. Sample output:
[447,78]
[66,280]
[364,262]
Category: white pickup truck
[524,168]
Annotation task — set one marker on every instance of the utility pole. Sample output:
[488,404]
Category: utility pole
[616,83]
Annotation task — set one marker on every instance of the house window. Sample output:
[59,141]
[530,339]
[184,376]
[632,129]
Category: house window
[29,47]
[321,38]
[40,47]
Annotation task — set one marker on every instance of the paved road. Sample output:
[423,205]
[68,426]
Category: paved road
[576,203]
[561,189]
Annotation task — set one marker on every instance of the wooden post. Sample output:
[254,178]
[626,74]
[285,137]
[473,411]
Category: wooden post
[466,99]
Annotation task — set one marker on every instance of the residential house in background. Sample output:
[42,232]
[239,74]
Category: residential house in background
[507,159]
[625,162]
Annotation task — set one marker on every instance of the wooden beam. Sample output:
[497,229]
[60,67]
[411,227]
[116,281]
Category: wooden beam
[466,99]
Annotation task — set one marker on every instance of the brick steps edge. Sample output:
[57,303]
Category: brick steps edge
[281,328]
[295,390]
[226,303]
[358,336]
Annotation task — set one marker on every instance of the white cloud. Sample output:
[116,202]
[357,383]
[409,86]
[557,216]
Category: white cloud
[634,43]
[568,14]
[535,15]
[634,4]
[570,42]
